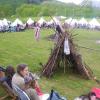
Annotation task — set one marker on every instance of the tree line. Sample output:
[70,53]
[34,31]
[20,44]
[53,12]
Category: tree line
[47,9]
[56,9]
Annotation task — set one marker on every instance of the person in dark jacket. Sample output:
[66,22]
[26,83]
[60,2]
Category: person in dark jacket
[7,74]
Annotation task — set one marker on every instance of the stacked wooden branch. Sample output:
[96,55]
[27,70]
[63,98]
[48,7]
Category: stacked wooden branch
[73,60]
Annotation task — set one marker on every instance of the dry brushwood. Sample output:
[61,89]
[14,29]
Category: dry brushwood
[73,60]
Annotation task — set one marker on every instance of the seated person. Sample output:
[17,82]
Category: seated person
[96,92]
[92,96]
[9,72]
[2,74]
[25,81]
[89,96]
[7,75]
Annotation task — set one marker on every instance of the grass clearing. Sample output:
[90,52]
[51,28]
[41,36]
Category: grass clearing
[21,47]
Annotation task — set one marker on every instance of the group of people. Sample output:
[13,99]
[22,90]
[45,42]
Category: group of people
[22,78]
[28,83]
[89,96]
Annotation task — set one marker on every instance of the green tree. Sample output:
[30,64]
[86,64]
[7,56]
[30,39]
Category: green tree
[6,11]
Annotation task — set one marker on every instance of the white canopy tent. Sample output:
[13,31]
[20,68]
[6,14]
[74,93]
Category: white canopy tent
[68,21]
[41,21]
[94,23]
[16,22]
[83,22]
[5,22]
[62,17]
[56,21]
[1,24]
[30,21]
[50,22]
[74,22]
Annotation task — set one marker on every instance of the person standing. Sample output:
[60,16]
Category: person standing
[37,31]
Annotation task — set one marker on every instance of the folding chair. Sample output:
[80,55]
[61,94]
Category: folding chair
[20,93]
[9,92]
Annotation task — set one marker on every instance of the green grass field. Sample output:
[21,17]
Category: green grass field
[21,47]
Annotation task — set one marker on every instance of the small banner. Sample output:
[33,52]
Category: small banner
[66,47]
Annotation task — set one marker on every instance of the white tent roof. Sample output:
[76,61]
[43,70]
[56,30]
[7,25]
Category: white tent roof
[30,21]
[5,22]
[62,17]
[1,24]
[17,21]
[83,21]
[74,21]
[50,22]
[94,22]
[41,21]
[69,20]
[56,21]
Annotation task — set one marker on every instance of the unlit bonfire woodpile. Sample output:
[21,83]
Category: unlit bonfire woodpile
[65,54]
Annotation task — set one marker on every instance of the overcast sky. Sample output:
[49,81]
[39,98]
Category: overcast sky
[95,3]
[70,1]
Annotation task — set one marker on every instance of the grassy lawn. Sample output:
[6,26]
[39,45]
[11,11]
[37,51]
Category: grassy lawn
[21,47]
